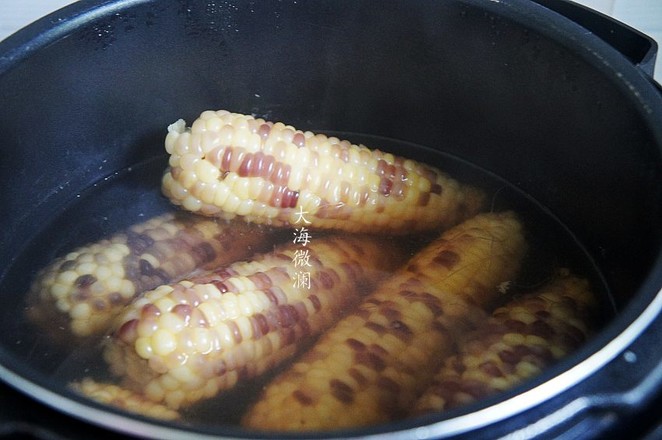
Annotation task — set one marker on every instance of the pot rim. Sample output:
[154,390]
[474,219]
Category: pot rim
[89,411]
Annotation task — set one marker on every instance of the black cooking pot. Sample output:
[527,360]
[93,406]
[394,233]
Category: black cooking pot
[510,86]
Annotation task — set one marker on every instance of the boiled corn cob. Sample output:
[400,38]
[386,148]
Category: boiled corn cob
[517,342]
[118,397]
[81,292]
[184,342]
[374,363]
[231,165]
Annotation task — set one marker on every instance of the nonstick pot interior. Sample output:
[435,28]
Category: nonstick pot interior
[507,86]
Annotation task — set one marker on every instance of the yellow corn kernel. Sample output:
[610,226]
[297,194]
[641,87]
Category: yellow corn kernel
[392,344]
[493,358]
[84,290]
[404,196]
[200,336]
[124,399]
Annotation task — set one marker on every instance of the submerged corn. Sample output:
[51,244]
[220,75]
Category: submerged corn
[229,165]
[185,342]
[518,341]
[375,362]
[118,397]
[79,293]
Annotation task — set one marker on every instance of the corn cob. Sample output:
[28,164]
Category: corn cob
[231,165]
[118,397]
[185,342]
[373,364]
[82,291]
[516,343]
